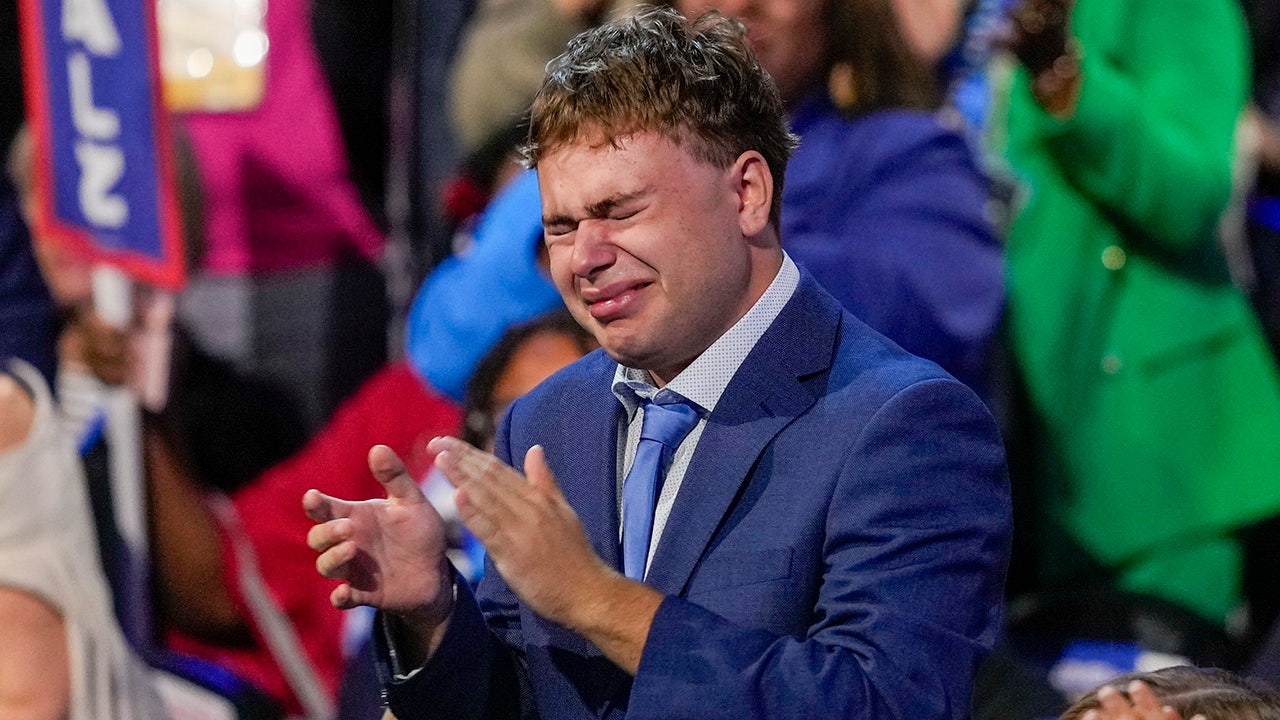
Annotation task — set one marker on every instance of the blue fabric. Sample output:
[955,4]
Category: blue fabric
[28,325]
[965,69]
[667,421]
[471,298]
[887,212]
[841,553]
[1265,211]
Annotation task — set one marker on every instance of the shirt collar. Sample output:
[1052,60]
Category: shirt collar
[706,378]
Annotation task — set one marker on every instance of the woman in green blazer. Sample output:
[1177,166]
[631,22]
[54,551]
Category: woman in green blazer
[1157,399]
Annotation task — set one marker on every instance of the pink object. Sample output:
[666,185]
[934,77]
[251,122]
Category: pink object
[278,193]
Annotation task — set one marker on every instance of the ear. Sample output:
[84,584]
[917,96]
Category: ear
[753,184]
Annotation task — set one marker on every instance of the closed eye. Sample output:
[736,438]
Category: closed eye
[558,229]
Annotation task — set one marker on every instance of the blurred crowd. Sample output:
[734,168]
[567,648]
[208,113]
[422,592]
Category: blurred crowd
[1072,206]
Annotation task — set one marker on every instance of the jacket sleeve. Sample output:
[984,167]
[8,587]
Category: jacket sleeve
[915,545]
[478,671]
[1152,136]
[472,676]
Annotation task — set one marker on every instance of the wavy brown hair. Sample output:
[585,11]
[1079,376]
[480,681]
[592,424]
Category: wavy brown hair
[698,83]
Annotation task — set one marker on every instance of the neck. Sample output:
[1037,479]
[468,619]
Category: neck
[766,265]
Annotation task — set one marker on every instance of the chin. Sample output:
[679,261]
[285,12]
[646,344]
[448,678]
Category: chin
[624,353]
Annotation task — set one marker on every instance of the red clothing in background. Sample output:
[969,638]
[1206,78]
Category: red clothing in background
[393,408]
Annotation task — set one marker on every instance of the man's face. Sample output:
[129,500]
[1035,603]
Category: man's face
[789,36]
[647,248]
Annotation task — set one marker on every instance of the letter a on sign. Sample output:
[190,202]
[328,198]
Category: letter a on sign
[104,159]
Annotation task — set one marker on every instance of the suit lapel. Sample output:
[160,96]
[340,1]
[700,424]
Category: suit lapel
[765,395]
[587,469]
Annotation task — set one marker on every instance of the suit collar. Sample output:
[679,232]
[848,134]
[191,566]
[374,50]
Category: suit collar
[588,446]
[705,379]
[772,388]
[775,384]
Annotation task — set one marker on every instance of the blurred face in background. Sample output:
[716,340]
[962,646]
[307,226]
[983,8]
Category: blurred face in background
[789,36]
[931,27]
[535,359]
[67,273]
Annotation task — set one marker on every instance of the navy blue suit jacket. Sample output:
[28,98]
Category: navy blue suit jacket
[837,548]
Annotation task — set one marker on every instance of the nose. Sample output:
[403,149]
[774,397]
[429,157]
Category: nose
[593,250]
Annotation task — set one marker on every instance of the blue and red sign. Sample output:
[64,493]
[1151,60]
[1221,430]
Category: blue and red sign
[104,161]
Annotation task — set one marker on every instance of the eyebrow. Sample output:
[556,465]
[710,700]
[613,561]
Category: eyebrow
[594,210]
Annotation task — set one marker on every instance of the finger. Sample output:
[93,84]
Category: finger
[479,466]
[387,468]
[323,536]
[446,443]
[484,504]
[345,597]
[440,444]
[481,524]
[538,472]
[323,508]
[1114,705]
[1144,700]
[462,462]
[489,479]
[334,562]
[342,597]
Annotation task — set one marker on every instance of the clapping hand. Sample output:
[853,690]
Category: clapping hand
[390,554]
[539,547]
[529,531]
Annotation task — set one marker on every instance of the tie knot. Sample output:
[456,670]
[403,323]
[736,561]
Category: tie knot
[668,421]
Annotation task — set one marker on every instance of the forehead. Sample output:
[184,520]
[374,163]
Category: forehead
[591,169]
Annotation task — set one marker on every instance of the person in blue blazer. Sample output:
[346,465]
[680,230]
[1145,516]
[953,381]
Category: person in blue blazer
[826,535]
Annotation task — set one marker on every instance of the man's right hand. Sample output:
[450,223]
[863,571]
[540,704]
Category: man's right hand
[390,554]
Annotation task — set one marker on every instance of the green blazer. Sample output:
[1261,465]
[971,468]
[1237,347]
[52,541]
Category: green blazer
[1158,399]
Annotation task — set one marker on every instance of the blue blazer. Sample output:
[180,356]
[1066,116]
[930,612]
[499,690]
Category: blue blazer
[837,548]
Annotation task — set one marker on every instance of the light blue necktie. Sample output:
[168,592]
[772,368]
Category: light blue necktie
[666,423]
